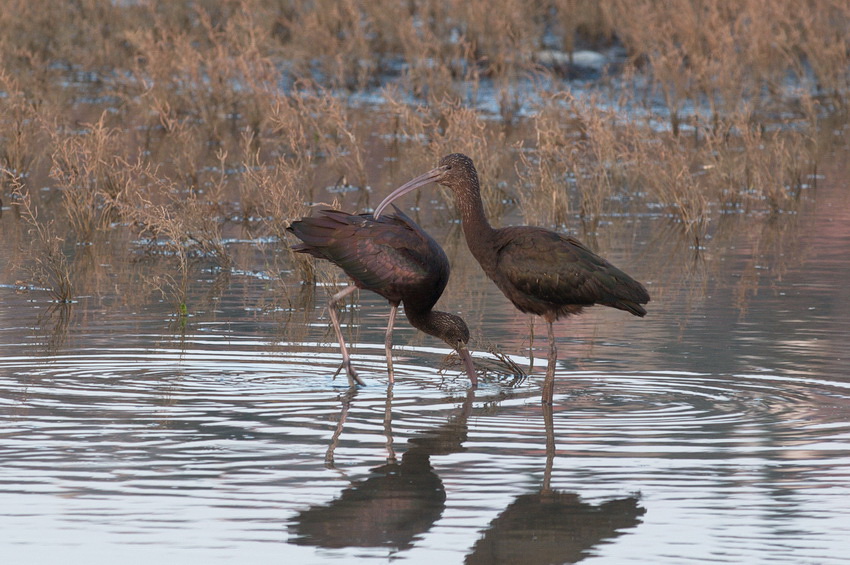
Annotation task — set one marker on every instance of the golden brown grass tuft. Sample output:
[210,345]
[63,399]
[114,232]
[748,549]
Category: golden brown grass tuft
[270,191]
[48,266]
[547,164]
[725,54]
[212,73]
[176,223]
[90,173]
[21,125]
[451,127]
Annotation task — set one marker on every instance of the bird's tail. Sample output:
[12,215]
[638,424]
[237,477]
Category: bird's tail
[630,306]
[629,295]
[318,231]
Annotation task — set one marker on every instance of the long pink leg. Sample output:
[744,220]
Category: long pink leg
[389,341]
[353,379]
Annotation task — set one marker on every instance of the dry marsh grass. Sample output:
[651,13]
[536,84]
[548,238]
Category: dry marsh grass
[213,75]
[431,131]
[20,119]
[90,174]
[178,120]
[50,267]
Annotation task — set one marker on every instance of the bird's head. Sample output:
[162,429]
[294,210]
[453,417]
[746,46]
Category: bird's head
[458,171]
[454,331]
[455,171]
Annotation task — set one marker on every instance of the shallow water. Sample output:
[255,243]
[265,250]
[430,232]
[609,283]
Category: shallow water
[715,429]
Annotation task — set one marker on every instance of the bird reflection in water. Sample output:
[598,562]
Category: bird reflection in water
[400,501]
[552,526]
[397,502]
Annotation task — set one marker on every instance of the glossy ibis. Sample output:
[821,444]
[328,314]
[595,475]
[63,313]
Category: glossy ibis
[540,271]
[393,257]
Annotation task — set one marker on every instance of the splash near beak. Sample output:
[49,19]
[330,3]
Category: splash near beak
[468,365]
[431,176]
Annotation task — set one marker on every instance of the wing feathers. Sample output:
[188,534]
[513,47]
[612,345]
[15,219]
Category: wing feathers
[551,271]
[382,255]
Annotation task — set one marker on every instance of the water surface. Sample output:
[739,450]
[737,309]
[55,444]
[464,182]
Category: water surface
[716,429]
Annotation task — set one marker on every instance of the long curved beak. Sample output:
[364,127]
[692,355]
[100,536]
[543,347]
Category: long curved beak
[469,365]
[431,176]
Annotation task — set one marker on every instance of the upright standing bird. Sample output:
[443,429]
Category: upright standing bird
[395,258]
[540,271]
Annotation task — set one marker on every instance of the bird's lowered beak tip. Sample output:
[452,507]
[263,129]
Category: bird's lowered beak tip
[433,175]
[463,352]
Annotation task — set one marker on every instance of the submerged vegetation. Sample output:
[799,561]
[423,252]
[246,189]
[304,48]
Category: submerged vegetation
[179,123]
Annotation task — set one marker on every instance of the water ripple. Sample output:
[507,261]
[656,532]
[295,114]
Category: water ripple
[169,440]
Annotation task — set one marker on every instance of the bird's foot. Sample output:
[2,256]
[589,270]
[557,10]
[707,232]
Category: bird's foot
[353,378]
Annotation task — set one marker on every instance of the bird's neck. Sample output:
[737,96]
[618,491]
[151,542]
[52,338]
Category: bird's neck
[477,230]
[429,321]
